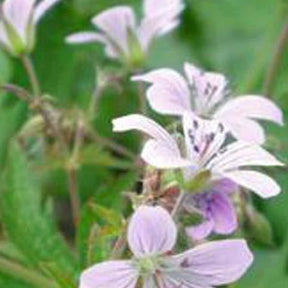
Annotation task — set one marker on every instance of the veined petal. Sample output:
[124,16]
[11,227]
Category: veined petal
[251,106]
[242,154]
[169,93]
[203,138]
[158,154]
[151,231]
[214,263]
[116,23]
[160,18]
[19,13]
[145,125]
[162,151]
[259,183]
[244,129]
[224,214]
[112,274]
[42,8]
[85,37]
[201,231]
[210,87]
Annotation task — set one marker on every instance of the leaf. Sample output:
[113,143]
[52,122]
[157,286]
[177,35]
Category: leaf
[34,234]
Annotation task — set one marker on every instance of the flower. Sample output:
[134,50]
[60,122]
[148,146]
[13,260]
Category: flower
[205,94]
[18,20]
[216,208]
[152,235]
[206,150]
[123,38]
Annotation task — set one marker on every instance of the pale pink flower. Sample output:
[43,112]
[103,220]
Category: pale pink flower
[205,150]
[205,94]
[18,21]
[215,205]
[152,235]
[119,31]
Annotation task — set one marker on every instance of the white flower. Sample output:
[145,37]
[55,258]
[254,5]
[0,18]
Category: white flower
[205,94]
[119,31]
[205,150]
[18,21]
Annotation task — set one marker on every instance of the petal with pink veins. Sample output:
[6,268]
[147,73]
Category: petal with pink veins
[112,274]
[115,23]
[212,264]
[151,231]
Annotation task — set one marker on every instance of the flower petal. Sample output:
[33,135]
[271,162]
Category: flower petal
[151,231]
[251,106]
[18,13]
[242,154]
[210,87]
[42,8]
[160,18]
[116,23]
[214,263]
[244,129]
[112,274]
[85,37]
[201,231]
[203,138]
[225,186]
[259,183]
[152,7]
[169,93]
[163,145]
[224,214]
[158,154]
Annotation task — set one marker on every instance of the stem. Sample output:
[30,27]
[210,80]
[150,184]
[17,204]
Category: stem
[72,173]
[178,205]
[27,275]
[74,195]
[142,98]
[120,245]
[94,101]
[29,67]
[117,148]
[276,60]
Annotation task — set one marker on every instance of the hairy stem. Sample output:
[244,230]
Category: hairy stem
[29,67]
[25,274]
[276,60]
[178,206]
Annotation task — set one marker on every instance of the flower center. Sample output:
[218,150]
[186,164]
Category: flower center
[147,265]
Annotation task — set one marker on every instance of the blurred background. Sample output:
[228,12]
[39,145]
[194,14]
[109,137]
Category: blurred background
[239,38]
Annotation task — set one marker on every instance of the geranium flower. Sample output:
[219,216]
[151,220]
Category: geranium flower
[216,208]
[205,94]
[152,235]
[18,20]
[206,150]
[123,38]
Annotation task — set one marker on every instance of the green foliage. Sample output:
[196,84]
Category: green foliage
[236,37]
[34,234]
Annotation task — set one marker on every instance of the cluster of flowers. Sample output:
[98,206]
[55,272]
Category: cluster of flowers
[219,138]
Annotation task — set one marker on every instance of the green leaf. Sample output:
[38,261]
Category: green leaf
[28,227]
